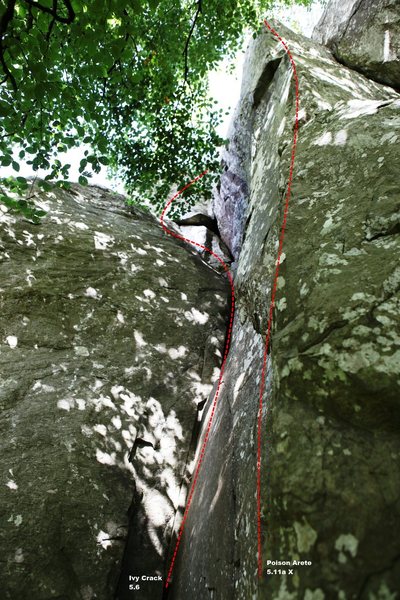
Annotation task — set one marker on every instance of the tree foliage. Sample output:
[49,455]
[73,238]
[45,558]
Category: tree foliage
[127,77]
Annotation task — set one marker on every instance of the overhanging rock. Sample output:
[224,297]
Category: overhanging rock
[364,35]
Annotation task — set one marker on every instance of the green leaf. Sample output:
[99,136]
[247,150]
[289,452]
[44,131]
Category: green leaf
[114,79]
[5,109]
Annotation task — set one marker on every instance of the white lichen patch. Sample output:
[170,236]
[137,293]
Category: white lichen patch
[280,282]
[366,355]
[352,313]
[139,339]
[281,259]
[306,536]
[149,294]
[317,324]
[361,296]
[328,260]
[360,107]
[327,226]
[346,544]
[19,556]
[81,351]
[238,384]
[196,316]
[43,387]
[65,404]
[79,225]
[12,341]
[281,304]
[355,252]
[333,79]
[324,139]
[304,290]
[340,137]
[389,138]
[91,292]
[176,353]
[103,540]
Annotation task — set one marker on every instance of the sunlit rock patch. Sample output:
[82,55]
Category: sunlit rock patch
[110,336]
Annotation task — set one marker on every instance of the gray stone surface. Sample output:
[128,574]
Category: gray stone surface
[331,450]
[110,335]
[364,35]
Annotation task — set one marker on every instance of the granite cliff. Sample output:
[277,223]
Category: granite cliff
[112,335]
[331,449]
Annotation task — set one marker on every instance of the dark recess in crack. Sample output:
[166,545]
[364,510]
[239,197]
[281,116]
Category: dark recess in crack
[320,338]
[265,80]
[395,230]
[138,443]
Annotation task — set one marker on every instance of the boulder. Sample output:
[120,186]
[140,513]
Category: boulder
[111,335]
[364,35]
[330,446]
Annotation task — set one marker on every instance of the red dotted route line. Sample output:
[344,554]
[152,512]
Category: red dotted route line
[229,332]
[228,340]
[272,303]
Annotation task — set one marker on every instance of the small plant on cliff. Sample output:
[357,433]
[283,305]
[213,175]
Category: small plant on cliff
[127,77]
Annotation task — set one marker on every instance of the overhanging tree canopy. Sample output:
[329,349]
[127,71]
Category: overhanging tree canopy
[127,77]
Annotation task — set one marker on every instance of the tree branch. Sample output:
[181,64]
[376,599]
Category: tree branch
[6,17]
[53,21]
[186,49]
[5,20]
[8,74]
[53,12]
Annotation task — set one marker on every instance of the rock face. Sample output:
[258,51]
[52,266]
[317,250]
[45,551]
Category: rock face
[331,450]
[110,336]
[364,35]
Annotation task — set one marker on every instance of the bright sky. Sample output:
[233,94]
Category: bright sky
[224,87]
